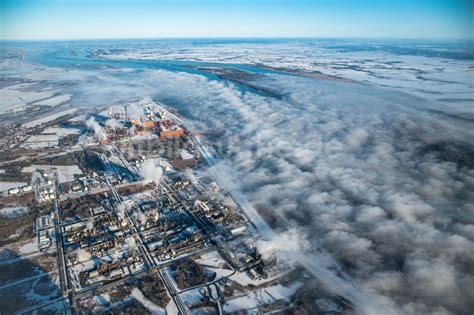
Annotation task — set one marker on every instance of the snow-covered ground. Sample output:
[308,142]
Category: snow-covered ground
[17,97]
[12,212]
[243,279]
[185,155]
[65,172]
[30,247]
[150,306]
[102,299]
[61,132]
[56,100]
[171,307]
[261,296]
[48,118]
[192,297]
[49,137]
[211,259]
[41,141]
[82,117]
[215,264]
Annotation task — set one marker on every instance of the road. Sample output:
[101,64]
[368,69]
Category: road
[63,274]
[217,297]
[183,310]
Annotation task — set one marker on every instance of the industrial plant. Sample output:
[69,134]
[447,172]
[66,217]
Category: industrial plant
[130,204]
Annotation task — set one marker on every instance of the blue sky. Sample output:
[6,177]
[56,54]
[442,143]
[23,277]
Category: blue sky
[75,19]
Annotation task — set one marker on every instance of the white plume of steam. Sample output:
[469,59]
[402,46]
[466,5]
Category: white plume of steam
[191,176]
[135,111]
[82,255]
[121,210]
[151,172]
[131,245]
[90,225]
[92,124]
[140,216]
[117,255]
[131,242]
[290,241]
[112,122]
[143,219]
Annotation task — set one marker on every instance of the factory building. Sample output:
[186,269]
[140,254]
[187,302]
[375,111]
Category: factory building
[171,133]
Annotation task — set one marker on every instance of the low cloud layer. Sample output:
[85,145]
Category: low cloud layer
[384,187]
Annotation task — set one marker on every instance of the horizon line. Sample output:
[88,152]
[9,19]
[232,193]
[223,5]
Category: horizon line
[469,39]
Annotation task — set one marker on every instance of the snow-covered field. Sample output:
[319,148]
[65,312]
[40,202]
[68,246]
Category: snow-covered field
[193,296]
[41,141]
[214,263]
[30,247]
[211,259]
[12,212]
[150,306]
[261,296]
[48,138]
[16,97]
[55,100]
[48,118]
[65,172]
[61,132]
